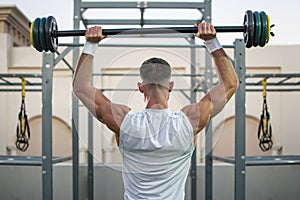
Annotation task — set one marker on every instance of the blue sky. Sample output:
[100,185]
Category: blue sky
[284,14]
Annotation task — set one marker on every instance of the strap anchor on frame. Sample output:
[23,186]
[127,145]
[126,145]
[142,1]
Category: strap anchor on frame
[265,129]
[23,130]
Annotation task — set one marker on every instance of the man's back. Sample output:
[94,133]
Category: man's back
[156,146]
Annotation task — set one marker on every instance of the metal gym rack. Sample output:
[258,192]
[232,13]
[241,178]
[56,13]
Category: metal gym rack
[80,7]
[37,83]
[240,160]
[249,83]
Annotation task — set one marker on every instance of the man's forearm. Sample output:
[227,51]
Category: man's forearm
[82,84]
[83,73]
[227,75]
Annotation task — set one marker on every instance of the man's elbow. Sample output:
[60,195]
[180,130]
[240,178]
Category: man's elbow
[77,89]
[235,84]
[232,87]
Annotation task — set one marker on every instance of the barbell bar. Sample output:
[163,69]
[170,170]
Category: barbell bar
[256,31]
[162,30]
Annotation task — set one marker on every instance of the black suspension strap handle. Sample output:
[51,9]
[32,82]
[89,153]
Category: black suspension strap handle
[256,30]
[23,130]
[265,129]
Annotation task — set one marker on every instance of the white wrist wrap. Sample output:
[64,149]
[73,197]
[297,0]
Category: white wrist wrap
[90,48]
[213,45]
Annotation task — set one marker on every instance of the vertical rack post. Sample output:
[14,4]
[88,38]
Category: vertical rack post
[208,136]
[75,110]
[208,128]
[47,171]
[240,121]
[193,170]
[90,158]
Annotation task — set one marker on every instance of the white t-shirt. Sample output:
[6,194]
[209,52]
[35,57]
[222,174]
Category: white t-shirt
[156,147]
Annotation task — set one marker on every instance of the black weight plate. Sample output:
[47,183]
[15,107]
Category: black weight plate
[249,29]
[42,34]
[50,28]
[264,29]
[257,29]
[36,38]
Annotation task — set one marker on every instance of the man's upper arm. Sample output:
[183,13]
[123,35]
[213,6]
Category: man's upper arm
[210,105]
[109,113]
[102,108]
[199,113]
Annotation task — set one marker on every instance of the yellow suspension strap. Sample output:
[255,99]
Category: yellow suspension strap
[23,131]
[265,128]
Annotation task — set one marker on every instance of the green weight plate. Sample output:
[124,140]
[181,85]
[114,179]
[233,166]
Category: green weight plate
[249,29]
[42,34]
[50,28]
[257,29]
[264,29]
[36,37]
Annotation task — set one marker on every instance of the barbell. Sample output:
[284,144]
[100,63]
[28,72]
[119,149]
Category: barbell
[256,31]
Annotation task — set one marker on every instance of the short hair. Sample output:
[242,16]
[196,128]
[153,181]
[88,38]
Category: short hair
[155,71]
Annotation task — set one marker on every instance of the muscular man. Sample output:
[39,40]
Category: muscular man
[156,144]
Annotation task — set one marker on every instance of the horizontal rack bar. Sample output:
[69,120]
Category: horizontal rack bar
[141,45]
[224,159]
[20,90]
[138,22]
[19,84]
[198,90]
[277,75]
[268,163]
[263,160]
[56,160]
[272,160]
[21,75]
[274,90]
[247,75]
[29,160]
[136,89]
[9,80]
[275,84]
[131,74]
[141,4]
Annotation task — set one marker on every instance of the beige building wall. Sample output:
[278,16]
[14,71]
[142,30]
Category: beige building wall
[14,23]
[283,107]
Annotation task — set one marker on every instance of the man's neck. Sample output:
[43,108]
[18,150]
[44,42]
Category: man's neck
[156,98]
[156,106]
[156,102]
